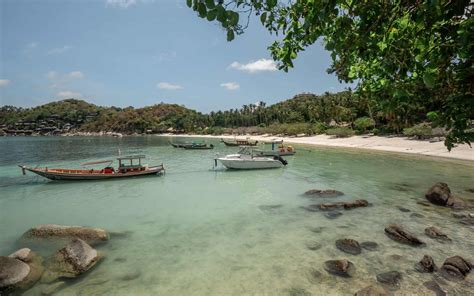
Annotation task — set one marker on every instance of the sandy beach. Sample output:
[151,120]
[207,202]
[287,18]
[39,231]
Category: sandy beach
[388,144]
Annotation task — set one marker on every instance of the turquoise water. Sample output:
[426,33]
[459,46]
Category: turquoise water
[196,231]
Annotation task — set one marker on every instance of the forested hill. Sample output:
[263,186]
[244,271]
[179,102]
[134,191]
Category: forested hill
[304,113]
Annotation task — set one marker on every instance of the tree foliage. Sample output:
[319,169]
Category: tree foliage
[401,53]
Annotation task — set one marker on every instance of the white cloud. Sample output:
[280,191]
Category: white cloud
[75,74]
[120,3]
[255,66]
[51,75]
[169,86]
[59,50]
[231,85]
[68,94]
[4,82]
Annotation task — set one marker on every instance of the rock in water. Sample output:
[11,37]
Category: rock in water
[397,233]
[346,205]
[426,264]
[436,233]
[333,214]
[456,268]
[324,193]
[52,231]
[391,279]
[372,290]
[440,194]
[369,246]
[13,274]
[342,267]
[74,259]
[433,286]
[24,255]
[348,245]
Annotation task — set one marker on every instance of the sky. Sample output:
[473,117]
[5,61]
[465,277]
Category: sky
[143,52]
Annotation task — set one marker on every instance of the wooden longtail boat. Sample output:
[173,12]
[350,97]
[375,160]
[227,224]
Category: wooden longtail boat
[239,142]
[198,147]
[123,170]
[184,145]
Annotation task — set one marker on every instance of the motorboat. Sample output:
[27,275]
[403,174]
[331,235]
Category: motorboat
[246,159]
[237,142]
[280,150]
[127,167]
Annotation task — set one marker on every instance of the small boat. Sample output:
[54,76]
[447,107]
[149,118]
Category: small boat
[123,170]
[281,150]
[247,160]
[183,145]
[237,142]
[198,147]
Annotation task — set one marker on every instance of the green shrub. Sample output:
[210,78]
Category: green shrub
[420,131]
[318,128]
[363,123]
[340,132]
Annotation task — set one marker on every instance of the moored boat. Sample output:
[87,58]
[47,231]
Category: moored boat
[237,142]
[123,170]
[184,145]
[198,147]
[247,160]
[281,150]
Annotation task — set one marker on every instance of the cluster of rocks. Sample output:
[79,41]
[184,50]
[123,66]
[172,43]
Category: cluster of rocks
[332,207]
[24,268]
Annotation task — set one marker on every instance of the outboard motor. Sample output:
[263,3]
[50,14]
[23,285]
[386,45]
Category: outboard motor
[281,159]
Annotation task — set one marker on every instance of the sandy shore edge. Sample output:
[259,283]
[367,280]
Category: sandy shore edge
[387,144]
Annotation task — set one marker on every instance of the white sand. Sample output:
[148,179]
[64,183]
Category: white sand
[389,144]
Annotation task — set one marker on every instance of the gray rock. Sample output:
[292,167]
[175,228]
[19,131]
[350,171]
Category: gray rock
[13,273]
[397,233]
[52,288]
[433,286]
[391,279]
[436,233]
[52,231]
[332,214]
[74,259]
[314,246]
[372,290]
[440,194]
[467,221]
[348,245]
[343,267]
[402,209]
[456,268]
[416,215]
[426,264]
[369,246]
[346,205]
[24,255]
[324,193]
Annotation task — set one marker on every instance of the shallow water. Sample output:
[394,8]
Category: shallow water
[196,231]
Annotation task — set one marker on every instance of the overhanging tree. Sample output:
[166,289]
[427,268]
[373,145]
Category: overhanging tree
[400,52]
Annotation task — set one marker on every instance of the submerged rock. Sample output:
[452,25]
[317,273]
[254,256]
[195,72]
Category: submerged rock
[456,268]
[391,279]
[372,290]
[332,214]
[297,291]
[25,255]
[346,205]
[32,261]
[74,259]
[369,246]
[314,246]
[397,233]
[426,264]
[324,192]
[433,286]
[348,245]
[467,221]
[416,215]
[436,233]
[50,289]
[52,231]
[440,194]
[342,267]
[402,209]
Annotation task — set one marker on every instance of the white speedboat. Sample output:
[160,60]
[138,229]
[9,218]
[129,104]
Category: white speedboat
[247,160]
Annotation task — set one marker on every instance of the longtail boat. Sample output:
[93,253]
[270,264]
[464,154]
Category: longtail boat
[198,147]
[184,145]
[126,168]
[237,142]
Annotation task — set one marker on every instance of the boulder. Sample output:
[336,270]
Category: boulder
[397,233]
[440,194]
[348,245]
[372,290]
[467,221]
[436,233]
[343,267]
[456,268]
[324,193]
[402,209]
[25,255]
[369,246]
[74,259]
[13,274]
[391,279]
[346,205]
[52,231]
[434,286]
[426,264]
[34,264]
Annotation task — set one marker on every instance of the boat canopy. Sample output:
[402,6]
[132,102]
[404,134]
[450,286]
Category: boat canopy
[97,162]
[131,157]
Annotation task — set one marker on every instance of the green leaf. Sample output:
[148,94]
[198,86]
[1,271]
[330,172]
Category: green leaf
[211,15]
[189,3]
[221,15]
[233,18]
[432,115]
[210,4]
[263,18]
[202,10]
[230,35]
[429,79]
[271,3]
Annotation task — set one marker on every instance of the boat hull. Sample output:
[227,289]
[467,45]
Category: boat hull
[250,164]
[52,175]
[273,153]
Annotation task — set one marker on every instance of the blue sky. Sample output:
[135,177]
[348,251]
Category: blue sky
[142,52]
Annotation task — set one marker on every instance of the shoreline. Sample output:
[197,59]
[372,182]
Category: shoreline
[401,145]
